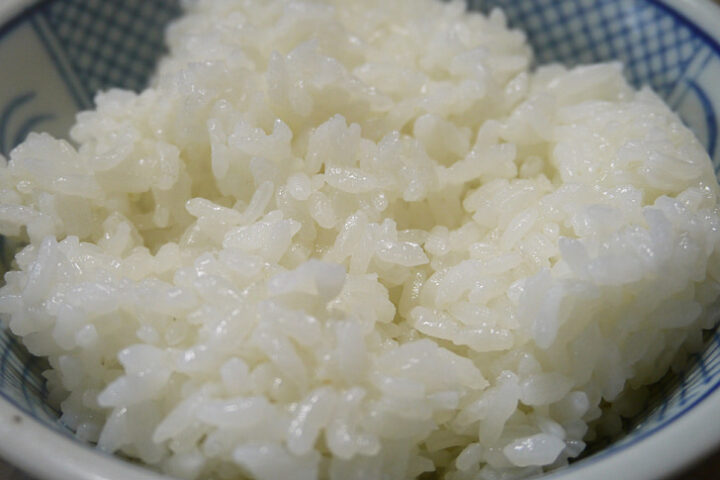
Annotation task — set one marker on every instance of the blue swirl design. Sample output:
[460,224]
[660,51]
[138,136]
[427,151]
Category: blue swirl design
[7,113]
[8,139]
[710,117]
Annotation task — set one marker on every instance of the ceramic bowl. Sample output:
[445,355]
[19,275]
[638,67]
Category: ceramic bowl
[55,54]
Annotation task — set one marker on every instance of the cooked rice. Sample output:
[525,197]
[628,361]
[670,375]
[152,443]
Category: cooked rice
[359,239]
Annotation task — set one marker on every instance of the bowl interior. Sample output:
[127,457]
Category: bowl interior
[81,46]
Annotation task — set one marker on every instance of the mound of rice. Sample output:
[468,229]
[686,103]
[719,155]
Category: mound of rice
[359,239]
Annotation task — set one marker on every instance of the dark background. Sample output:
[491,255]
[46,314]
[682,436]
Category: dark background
[706,470]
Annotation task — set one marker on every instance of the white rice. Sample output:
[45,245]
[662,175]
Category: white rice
[359,239]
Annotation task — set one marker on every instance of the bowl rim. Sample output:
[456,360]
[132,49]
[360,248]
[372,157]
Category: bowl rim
[664,451]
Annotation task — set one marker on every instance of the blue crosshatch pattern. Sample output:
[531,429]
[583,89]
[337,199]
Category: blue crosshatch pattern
[111,43]
[656,47]
[116,43]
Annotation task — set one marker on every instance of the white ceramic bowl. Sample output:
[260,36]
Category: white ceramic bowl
[55,54]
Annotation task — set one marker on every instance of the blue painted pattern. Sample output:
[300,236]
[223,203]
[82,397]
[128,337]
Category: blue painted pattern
[111,44]
[100,44]
[709,112]
[655,47]
[14,108]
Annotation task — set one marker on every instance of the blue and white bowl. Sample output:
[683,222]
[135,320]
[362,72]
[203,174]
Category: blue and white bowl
[55,54]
